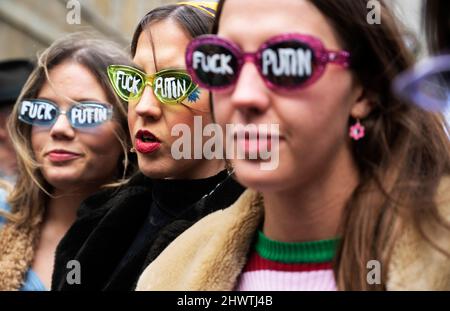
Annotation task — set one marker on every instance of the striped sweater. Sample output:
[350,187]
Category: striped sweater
[303,266]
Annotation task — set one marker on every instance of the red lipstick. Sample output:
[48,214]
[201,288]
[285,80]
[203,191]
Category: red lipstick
[146,142]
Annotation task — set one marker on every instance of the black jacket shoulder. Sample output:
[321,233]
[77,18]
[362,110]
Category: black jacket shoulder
[108,223]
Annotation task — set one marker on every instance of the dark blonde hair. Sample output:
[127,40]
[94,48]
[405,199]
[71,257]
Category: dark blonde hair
[31,191]
[403,157]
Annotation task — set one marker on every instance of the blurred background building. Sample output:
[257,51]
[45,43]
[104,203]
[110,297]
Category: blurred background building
[28,26]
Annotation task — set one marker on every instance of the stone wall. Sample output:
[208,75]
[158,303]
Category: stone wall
[27,26]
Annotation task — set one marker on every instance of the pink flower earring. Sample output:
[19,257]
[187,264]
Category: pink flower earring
[357,131]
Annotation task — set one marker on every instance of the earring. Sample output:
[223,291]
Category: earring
[357,131]
[132,150]
[229,167]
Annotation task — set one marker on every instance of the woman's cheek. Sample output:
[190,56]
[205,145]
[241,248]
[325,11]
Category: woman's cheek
[103,143]
[37,144]
[222,110]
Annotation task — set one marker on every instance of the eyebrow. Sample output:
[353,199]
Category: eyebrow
[138,67]
[160,68]
[86,100]
[82,99]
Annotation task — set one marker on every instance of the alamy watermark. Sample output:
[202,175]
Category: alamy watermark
[74,275]
[374,15]
[374,274]
[250,141]
[73,15]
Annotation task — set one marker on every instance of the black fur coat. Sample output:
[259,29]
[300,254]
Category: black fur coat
[119,232]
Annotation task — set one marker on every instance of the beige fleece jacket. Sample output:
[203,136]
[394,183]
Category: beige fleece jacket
[211,254]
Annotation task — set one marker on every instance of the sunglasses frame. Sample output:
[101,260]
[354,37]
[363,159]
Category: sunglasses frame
[148,80]
[406,84]
[64,112]
[322,57]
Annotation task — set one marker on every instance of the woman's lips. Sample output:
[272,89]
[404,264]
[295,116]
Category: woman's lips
[255,144]
[62,155]
[146,142]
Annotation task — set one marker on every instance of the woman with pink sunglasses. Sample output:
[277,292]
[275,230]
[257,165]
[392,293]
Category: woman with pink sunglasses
[357,201]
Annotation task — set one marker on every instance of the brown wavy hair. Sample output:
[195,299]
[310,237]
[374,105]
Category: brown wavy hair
[401,160]
[437,26]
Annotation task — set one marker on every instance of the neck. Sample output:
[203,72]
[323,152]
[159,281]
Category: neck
[313,210]
[62,207]
[203,169]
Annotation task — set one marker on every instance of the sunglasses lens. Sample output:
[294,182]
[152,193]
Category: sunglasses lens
[172,86]
[39,113]
[287,64]
[214,66]
[87,114]
[436,88]
[126,82]
[430,92]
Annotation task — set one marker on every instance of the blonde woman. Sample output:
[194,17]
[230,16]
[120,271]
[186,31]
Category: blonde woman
[69,130]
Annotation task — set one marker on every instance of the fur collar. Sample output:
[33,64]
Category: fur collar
[415,264]
[17,247]
[212,253]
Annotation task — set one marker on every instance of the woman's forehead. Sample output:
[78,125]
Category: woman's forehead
[69,82]
[163,42]
[273,17]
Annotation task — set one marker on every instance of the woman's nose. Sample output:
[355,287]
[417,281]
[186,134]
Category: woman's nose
[250,94]
[62,129]
[148,105]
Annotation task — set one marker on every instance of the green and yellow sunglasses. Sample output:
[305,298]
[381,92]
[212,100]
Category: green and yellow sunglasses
[170,86]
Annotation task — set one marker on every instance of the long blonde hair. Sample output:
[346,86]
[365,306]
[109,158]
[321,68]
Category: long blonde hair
[31,192]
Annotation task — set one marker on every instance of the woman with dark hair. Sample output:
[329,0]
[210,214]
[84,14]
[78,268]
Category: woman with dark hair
[118,234]
[360,199]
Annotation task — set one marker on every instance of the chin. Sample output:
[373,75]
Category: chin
[250,175]
[153,168]
[154,174]
[64,175]
[64,182]
[166,168]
